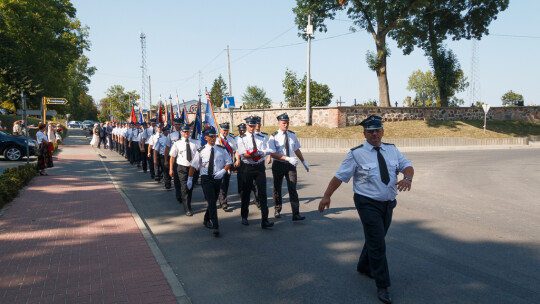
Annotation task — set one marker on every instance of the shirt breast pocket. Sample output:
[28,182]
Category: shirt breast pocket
[393,167]
[366,172]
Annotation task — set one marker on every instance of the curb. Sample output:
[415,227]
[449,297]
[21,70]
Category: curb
[176,286]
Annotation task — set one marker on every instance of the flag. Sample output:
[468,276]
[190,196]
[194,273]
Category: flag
[133,118]
[140,116]
[197,126]
[171,115]
[183,117]
[209,115]
[184,111]
[177,107]
[159,115]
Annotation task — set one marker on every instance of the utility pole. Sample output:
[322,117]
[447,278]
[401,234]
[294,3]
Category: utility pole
[150,99]
[309,33]
[230,87]
[143,69]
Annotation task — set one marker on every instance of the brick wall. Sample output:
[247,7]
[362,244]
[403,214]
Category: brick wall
[335,117]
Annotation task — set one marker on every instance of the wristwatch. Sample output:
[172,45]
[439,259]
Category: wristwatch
[408,178]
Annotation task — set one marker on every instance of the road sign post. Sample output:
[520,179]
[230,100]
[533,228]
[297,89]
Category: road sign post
[486,110]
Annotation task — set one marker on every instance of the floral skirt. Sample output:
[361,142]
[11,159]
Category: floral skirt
[44,159]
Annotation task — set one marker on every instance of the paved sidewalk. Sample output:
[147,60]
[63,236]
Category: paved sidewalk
[70,238]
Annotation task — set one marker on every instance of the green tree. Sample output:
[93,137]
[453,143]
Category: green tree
[378,17]
[218,91]
[295,91]
[81,106]
[425,85]
[39,40]
[512,99]
[118,102]
[255,98]
[430,24]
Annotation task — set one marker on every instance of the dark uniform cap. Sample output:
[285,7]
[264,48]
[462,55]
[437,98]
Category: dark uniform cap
[373,122]
[144,123]
[185,128]
[167,128]
[131,123]
[137,123]
[153,120]
[177,121]
[159,125]
[251,120]
[242,126]
[258,118]
[225,126]
[210,131]
[283,116]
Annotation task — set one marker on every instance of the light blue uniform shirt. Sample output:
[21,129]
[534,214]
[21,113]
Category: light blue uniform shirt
[361,163]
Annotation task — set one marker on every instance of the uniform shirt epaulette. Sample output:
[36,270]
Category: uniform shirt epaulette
[388,144]
[275,133]
[200,149]
[357,147]
[259,134]
[243,135]
[291,131]
[263,133]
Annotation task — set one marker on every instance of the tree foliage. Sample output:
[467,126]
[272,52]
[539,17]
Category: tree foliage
[255,98]
[118,102]
[512,99]
[426,86]
[378,17]
[430,24]
[218,91]
[294,90]
[41,53]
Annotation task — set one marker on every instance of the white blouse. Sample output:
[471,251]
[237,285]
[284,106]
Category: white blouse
[39,136]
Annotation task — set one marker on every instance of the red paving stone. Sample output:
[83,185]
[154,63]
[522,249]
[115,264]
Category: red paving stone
[68,239]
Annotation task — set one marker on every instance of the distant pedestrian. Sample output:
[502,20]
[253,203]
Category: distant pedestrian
[44,153]
[51,132]
[102,133]
[95,135]
[374,167]
[16,128]
[59,134]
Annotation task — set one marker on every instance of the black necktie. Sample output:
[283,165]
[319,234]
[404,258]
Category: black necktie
[188,151]
[287,144]
[253,140]
[385,178]
[211,162]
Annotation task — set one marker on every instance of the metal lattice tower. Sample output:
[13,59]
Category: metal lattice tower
[143,69]
[474,87]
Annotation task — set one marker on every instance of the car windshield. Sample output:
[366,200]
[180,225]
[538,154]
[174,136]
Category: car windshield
[2,133]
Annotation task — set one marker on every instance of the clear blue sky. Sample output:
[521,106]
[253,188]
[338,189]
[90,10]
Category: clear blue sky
[185,37]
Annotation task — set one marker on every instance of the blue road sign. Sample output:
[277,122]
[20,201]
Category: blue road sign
[228,102]
[56,101]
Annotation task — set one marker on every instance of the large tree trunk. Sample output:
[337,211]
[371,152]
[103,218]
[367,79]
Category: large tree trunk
[384,94]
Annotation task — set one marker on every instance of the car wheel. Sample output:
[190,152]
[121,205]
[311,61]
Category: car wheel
[13,153]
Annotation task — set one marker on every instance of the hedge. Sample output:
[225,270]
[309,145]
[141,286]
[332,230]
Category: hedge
[14,179]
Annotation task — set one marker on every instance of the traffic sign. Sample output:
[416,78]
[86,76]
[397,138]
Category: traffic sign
[56,101]
[193,109]
[486,107]
[228,102]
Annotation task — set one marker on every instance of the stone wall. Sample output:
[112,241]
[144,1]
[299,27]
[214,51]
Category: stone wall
[336,117]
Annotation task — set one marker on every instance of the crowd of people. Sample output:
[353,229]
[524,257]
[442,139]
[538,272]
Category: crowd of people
[172,157]
[169,153]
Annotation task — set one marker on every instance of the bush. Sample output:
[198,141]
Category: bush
[14,179]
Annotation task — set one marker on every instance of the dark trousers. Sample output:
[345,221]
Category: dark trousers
[102,140]
[135,152]
[163,172]
[210,187]
[150,161]
[254,174]
[239,178]
[183,194]
[224,189]
[280,170]
[127,151]
[376,218]
[176,181]
[144,158]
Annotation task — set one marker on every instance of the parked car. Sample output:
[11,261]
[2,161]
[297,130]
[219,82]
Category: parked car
[88,124]
[14,147]
[74,124]
[6,112]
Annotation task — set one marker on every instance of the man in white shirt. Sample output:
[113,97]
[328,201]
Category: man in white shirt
[213,162]
[181,154]
[227,141]
[148,133]
[159,157]
[284,145]
[174,136]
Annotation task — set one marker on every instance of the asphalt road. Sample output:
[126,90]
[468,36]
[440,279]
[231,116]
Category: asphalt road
[466,233]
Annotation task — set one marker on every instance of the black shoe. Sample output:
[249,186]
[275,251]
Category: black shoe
[208,224]
[298,217]
[189,213]
[266,224]
[245,221]
[277,214]
[152,176]
[144,171]
[225,207]
[216,232]
[384,295]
